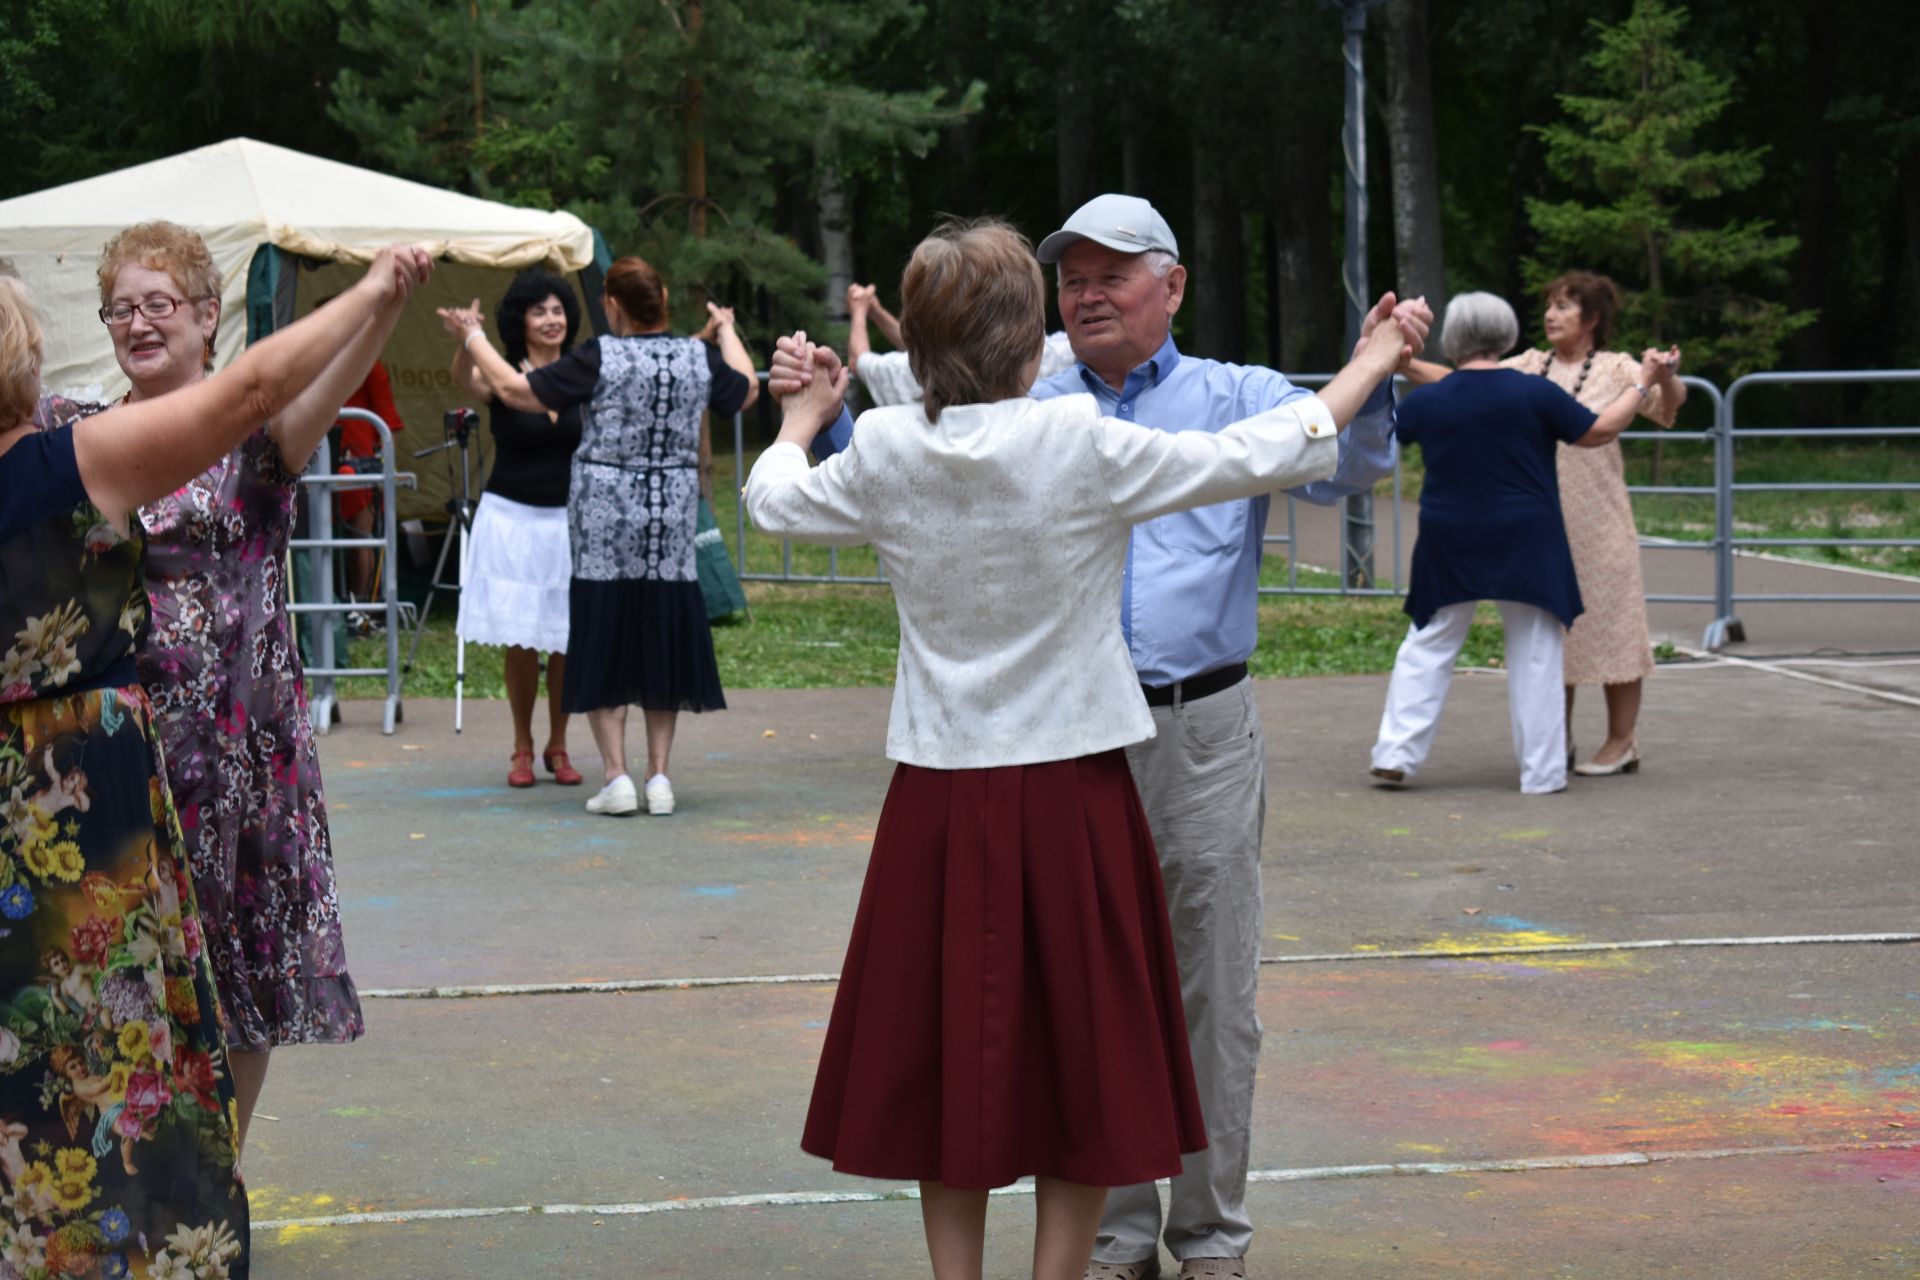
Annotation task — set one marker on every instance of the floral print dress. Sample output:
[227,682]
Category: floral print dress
[116,1108]
[224,672]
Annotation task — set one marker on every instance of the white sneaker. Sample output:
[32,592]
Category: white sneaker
[615,798]
[659,794]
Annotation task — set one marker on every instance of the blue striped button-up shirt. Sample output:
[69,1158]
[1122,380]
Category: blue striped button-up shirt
[1188,603]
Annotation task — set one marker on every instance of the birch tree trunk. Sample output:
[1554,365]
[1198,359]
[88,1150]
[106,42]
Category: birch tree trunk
[835,226]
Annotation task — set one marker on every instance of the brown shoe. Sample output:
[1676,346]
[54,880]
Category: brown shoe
[1145,1269]
[1393,779]
[1213,1269]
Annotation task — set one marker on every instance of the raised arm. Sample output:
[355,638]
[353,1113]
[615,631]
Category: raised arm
[1619,415]
[298,428]
[884,320]
[859,306]
[465,372]
[134,453]
[784,496]
[1380,352]
[734,351]
[502,381]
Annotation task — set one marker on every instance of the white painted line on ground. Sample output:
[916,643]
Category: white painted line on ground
[1335,957]
[609,985]
[1776,669]
[810,1199]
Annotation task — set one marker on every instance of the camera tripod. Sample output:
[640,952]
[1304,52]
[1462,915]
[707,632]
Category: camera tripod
[459,425]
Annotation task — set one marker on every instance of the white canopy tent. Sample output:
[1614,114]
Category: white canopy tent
[268,214]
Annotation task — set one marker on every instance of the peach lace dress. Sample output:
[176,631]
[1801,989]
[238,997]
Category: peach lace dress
[1609,643]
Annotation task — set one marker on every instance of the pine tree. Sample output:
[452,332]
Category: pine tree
[684,131]
[1685,276]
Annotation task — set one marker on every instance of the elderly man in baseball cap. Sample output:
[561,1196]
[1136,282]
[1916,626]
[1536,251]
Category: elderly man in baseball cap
[1189,621]
[1188,613]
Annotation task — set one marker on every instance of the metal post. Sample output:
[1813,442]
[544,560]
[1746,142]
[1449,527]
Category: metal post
[1356,548]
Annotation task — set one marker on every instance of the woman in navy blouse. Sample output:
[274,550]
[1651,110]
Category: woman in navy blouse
[1490,529]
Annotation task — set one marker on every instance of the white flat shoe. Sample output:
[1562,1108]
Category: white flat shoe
[659,795]
[1629,763]
[616,798]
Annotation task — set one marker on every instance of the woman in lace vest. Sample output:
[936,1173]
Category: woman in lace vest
[636,624]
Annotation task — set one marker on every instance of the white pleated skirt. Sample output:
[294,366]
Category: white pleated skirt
[518,568]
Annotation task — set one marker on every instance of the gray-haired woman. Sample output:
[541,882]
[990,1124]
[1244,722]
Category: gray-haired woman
[1490,529]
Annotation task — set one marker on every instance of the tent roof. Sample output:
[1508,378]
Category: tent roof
[317,208]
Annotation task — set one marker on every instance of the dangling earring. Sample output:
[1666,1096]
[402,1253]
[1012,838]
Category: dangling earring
[206,356]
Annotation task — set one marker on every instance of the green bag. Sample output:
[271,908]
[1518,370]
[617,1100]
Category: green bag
[719,584]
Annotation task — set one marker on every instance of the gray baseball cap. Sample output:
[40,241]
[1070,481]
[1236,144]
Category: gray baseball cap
[1126,223]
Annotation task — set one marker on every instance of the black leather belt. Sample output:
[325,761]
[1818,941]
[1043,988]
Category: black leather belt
[1195,687]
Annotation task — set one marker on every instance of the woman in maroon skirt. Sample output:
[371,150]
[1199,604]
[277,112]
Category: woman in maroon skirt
[1009,1003]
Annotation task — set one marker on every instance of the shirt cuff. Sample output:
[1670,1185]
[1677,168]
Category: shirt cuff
[1315,418]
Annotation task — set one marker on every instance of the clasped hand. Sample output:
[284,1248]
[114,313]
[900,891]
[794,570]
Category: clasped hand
[806,401]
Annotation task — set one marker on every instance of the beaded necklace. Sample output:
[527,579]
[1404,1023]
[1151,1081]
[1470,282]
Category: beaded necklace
[1586,366]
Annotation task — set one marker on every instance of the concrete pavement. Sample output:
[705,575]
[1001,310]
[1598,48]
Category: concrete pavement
[1440,1001]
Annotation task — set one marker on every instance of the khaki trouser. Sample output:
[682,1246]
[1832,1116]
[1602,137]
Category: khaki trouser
[1203,781]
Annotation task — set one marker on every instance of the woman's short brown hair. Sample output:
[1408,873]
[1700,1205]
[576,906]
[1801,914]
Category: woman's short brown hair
[1597,297]
[161,246]
[21,352]
[637,287]
[973,312]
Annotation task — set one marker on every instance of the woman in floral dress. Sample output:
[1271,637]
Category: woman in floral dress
[117,1130]
[223,669]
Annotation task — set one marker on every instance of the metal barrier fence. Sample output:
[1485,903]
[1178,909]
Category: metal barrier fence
[1726,624]
[321,482]
[1723,434]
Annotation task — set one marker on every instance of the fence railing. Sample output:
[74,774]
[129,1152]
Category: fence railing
[321,484]
[1723,434]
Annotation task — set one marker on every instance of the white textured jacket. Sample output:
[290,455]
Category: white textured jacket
[1003,528]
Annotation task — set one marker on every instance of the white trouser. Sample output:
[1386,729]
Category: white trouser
[1536,699]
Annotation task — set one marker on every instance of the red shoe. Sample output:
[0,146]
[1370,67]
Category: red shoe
[560,767]
[521,775]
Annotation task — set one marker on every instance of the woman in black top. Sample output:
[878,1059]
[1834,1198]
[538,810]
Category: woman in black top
[518,562]
[637,624]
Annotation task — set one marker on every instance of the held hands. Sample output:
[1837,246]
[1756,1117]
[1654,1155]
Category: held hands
[1410,320]
[462,322]
[794,362]
[1657,366]
[861,298]
[718,318]
[807,403]
[398,270]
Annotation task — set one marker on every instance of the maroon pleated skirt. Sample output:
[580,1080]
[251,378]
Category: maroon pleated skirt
[1010,1004]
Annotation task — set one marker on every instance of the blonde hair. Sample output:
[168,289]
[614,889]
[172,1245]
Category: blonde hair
[972,313]
[161,246]
[21,351]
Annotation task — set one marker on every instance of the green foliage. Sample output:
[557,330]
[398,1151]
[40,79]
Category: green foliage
[1636,146]
[597,107]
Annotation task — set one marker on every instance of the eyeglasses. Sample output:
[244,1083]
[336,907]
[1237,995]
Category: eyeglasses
[157,307]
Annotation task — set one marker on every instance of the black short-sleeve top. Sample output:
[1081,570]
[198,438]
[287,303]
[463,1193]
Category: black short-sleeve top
[572,379]
[533,454]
